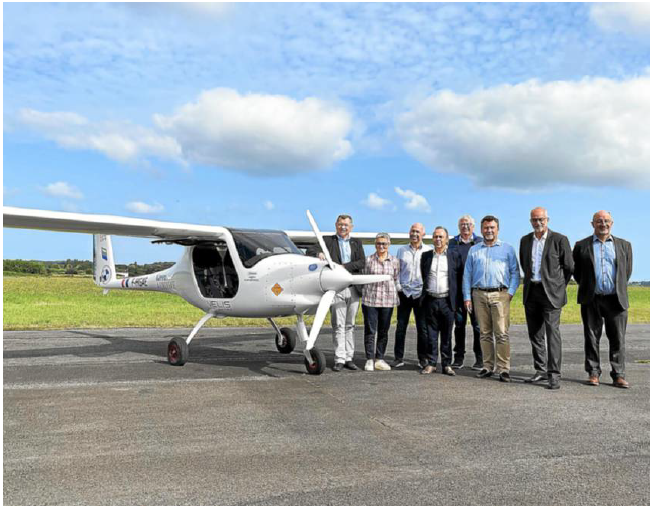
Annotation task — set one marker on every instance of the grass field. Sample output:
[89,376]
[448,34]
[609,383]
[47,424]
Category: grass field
[32,303]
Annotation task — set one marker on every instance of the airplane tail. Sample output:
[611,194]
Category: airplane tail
[103,261]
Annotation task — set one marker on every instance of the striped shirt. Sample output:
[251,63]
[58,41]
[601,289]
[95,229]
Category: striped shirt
[382,294]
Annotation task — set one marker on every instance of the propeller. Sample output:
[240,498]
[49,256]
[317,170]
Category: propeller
[333,280]
[321,313]
[321,242]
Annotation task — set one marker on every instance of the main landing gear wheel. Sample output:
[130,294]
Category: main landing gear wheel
[318,365]
[177,351]
[287,342]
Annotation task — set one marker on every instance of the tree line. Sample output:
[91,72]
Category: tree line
[75,266]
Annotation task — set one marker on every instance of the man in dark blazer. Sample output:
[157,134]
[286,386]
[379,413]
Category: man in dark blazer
[545,257]
[348,252]
[603,266]
[442,272]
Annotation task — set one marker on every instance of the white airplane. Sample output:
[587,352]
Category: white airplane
[223,271]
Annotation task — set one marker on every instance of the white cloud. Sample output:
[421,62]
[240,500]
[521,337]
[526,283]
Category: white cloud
[622,17]
[62,189]
[531,135]
[374,201]
[143,208]
[120,141]
[414,201]
[268,205]
[260,134]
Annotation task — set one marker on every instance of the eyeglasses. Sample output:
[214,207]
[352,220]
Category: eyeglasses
[538,220]
[465,225]
[384,244]
[602,222]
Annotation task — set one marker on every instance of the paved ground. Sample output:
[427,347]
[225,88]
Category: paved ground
[98,417]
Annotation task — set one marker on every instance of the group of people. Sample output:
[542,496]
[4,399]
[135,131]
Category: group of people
[475,277]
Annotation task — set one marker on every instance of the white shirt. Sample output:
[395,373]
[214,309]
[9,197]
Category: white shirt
[439,277]
[410,277]
[538,249]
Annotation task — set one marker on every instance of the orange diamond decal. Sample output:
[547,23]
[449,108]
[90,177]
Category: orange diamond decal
[277,289]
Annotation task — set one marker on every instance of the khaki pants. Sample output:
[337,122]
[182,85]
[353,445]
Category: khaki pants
[493,313]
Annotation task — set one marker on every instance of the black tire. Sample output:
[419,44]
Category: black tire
[288,341]
[319,362]
[177,351]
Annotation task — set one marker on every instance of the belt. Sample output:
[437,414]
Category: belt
[500,289]
[438,295]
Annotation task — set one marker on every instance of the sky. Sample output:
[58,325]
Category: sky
[246,115]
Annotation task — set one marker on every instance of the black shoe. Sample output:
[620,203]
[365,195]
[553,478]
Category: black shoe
[422,364]
[351,365]
[398,362]
[457,365]
[535,378]
[484,374]
[478,366]
[504,377]
[338,367]
[553,384]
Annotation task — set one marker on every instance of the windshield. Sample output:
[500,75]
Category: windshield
[254,245]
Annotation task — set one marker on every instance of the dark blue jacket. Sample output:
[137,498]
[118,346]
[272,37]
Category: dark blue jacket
[463,248]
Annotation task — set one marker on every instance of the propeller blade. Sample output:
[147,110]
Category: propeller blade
[364,279]
[321,312]
[319,236]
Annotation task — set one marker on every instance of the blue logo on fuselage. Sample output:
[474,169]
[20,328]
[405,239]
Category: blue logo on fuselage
[313,267]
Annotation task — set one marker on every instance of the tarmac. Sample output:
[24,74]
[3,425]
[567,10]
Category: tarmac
[98,417]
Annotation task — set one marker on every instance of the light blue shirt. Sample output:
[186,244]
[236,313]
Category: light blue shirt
[605,265]
[344,248]
[410,275]
[490,267]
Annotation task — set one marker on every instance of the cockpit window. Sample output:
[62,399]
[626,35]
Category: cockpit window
[254,245]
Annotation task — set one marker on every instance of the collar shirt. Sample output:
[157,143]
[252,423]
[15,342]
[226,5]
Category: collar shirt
[493,266]
[410,277]
[538,249]
[439,276]
[344,248]
[382,294]
[605,265]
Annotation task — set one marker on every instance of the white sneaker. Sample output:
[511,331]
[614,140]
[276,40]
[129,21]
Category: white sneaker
[380,365]
[370,365]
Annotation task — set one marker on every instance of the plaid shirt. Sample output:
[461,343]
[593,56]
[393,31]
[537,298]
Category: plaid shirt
[382,294]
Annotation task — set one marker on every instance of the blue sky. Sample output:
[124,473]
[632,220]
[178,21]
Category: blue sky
[248,114]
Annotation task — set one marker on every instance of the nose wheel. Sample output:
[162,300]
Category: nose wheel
[317,365]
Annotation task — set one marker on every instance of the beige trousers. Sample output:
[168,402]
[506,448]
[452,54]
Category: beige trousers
[493,313]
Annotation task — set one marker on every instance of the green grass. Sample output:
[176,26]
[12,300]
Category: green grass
[32,302]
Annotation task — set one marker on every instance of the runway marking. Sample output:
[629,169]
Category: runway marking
[117,384]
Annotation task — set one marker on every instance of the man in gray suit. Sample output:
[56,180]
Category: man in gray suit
[603,266]
[546,260]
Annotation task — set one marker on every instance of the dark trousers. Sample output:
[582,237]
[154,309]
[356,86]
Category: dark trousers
[376,321]
[460,318]
[542,318]
[440,321]
[406,305]
[604,308]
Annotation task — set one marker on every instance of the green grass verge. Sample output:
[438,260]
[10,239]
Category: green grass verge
[32,302]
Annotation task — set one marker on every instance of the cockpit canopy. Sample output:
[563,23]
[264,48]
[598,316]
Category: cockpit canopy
[254,245]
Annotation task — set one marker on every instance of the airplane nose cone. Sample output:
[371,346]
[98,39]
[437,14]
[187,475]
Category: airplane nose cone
[335,279]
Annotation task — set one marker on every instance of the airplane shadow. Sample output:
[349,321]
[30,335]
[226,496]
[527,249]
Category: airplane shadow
[222,351]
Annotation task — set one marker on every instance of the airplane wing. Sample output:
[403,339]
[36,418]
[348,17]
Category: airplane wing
[306,238]
[15,217]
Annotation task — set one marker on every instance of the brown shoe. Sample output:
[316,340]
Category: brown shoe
[593,381]
[621,383]
[428,370]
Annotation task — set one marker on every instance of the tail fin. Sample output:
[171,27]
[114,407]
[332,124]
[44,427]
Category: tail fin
[103,261]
